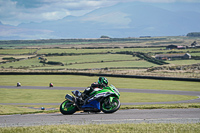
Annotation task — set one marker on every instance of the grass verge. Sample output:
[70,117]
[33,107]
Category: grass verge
[84,81]
[108,128]
[13,109]
[162,106]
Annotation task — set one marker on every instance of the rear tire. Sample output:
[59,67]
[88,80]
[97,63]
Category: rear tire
[67,108]
[110,108]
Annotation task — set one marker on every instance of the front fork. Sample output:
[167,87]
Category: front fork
[110,99]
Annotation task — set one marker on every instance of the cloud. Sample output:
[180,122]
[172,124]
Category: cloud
[160,1]
[24,11]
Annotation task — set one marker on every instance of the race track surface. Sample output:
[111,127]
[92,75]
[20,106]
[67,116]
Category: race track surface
[121,116]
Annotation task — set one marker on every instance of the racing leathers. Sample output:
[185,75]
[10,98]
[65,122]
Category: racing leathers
[90,89]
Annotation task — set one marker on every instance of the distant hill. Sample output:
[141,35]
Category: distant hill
[122,20]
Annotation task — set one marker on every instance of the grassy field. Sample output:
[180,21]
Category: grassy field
[116,63]
[112,50]
[21,96]
[182,62]
[108,128]
[84,81]
[57,96]
[10,109]
[16,57]
[16,51]
[22,63]
[91,58]
[100,65]
[126,64]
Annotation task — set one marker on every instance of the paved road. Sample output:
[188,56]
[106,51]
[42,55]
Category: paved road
[121,116]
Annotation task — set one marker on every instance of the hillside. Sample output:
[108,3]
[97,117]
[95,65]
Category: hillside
[122,20]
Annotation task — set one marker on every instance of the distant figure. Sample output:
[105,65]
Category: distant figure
[18,84]
[51,85]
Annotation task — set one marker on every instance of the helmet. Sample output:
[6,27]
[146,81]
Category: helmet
[103,80]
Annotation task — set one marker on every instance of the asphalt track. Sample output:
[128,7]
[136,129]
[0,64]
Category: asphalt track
[121,116]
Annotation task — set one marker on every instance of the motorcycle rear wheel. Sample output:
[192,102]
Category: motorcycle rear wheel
[110,107]
[67,108]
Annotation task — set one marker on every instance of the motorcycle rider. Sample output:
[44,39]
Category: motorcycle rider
[101,84]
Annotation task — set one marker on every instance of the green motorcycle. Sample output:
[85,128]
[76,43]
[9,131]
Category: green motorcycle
[106,100]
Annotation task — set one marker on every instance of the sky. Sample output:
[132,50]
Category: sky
[14,12]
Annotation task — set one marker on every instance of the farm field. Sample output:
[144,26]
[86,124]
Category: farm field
[93,66]
[22,63]
[116,63]
[14,51]
[182,62]
[111,56]
[91,58]
[92,50]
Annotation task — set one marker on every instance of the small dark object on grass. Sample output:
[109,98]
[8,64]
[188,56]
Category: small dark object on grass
[18,84]
[51,85]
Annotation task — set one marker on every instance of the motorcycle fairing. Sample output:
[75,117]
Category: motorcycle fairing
[92,104]
[102,94]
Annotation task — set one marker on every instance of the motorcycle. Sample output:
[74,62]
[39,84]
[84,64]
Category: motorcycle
[106,100]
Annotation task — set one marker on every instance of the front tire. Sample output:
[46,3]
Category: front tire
[67,108]
[112,107]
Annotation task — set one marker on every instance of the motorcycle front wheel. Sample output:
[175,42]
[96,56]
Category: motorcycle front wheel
[67,108]
[110,107]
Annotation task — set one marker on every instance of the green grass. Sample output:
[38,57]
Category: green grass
[15,56]
[57,96]
[34,63]
[52,50]
[195,54]
[162,106]
[16,51]
[103,65]
[113,64]
[10,109]
[90,58]
[85,81]
[108,128]
[183,62]
[45,51]
[32,96]
[27,109]
[22,63]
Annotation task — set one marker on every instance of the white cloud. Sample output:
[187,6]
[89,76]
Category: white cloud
[18,11]
[160,1]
